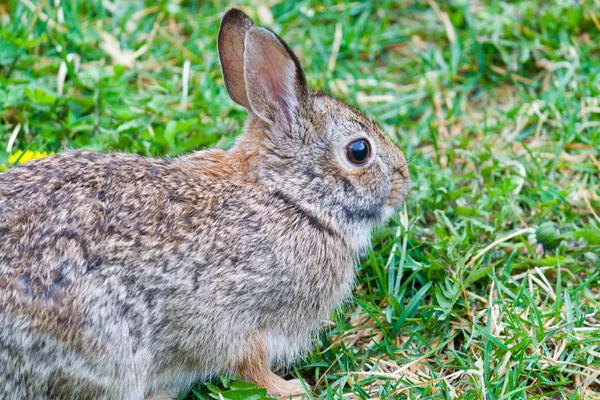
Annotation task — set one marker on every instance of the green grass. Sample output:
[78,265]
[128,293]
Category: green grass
[497,106]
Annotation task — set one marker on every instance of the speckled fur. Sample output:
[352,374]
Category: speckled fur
[123,276]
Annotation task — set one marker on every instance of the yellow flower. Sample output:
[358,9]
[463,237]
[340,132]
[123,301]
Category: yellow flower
[23,157]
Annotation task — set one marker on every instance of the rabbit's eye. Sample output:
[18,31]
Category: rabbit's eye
[358,152]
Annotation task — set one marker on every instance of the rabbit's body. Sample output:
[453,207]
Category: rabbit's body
[123,276]
[127,252]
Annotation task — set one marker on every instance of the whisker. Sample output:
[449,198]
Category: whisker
[420,154]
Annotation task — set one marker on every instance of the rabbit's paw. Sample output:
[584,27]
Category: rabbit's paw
[284,389]
[162,396]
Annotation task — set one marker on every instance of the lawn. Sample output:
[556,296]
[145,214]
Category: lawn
[486,286]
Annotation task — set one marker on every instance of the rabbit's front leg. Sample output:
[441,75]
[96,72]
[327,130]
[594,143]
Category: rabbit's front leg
[255,367]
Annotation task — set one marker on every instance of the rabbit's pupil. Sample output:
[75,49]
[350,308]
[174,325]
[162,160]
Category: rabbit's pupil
[358,152]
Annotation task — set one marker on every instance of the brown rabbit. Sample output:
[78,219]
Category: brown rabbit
[124,277]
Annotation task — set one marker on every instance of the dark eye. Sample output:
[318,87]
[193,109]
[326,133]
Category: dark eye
[358,152]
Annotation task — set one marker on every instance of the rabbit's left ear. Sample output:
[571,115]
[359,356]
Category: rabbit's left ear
[275,82]
[234,26]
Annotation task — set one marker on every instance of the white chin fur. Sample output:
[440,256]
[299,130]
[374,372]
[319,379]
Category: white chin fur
[360,234]
[360,237]
[388,211]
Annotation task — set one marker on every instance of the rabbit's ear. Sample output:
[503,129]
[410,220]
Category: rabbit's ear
[275,82]
[234,26]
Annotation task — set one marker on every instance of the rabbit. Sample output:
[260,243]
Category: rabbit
[130,277]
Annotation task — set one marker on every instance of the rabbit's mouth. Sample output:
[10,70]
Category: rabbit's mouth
[392,204]
[398,192]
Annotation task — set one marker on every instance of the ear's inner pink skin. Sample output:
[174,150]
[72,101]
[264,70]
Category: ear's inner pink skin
[233,30]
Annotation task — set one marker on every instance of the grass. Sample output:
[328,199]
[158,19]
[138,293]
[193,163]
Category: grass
[487,285]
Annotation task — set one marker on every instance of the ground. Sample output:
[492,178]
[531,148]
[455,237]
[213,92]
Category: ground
[486,286]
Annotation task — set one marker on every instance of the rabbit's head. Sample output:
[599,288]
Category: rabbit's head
[318,152]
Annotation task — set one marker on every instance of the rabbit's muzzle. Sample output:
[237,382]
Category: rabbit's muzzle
[400,185]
